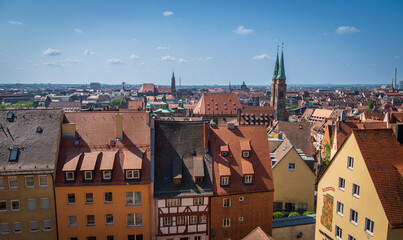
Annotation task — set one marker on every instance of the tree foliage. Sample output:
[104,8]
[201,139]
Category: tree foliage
[294,214]
[308,213]
[278,215]
[370,104]
[118,102]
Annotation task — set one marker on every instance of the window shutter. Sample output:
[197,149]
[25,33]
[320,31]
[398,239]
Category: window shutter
[47,226]
[31,204]
[44,203]
[33,226]
[4,228]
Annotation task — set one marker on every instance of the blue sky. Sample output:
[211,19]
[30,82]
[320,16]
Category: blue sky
[206,42]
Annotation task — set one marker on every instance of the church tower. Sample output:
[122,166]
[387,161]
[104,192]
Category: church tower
[278,89]
[173,84]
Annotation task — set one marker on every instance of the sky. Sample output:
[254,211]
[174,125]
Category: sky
[205,42]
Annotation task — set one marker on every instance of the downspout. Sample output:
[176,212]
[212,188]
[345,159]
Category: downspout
[151,186]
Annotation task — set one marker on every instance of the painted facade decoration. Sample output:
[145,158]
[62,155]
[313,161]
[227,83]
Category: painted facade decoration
[327,211]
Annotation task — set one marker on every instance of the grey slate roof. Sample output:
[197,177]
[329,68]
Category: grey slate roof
[38,151]
[173,144]
[294,221]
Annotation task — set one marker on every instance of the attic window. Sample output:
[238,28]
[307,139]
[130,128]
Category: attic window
[77,142]
[39,130]
[177,181]
[198,179]
[112,142]
[10,116]
[14,154]
[301,127]
[192,152]
[245,154]
[224,150]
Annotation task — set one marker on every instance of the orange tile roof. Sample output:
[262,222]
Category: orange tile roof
[108,159]
[71,161]
[135,105]
[224,148]
[217,104]
[147,87]
[245,145]
[132,160]
[89,161]
[257,234]
[247,167]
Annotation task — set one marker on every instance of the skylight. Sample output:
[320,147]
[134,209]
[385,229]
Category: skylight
[14,152]
[10,116]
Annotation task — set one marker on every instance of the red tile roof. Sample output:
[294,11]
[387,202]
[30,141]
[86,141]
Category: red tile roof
[136,105]
[147,87]
[259,159]
[217,104]
[383,156]
[257,234]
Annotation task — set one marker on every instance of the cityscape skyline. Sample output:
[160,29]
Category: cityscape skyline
[136,42]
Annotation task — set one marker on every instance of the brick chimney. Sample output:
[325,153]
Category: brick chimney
[119,127]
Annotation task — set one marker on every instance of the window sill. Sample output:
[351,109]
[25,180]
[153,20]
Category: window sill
[33,231]
[342,189]
[72,225]
[350,168]
[3,210]
[354,223]
[18,232]
[108,202]
[356,196]
[45,208]
[43,186]
[47,230]
[29,187]
[370,233]
[5,233]
[340,214]
[71,204]
[141,204]
[17,210]
[90,225]
[139,226]
[109,224]
[12,187]
[88,203]
[338,238]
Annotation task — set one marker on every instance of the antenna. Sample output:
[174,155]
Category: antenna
[395,77]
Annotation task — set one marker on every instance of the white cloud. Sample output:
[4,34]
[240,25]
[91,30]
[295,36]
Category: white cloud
[397,57]
[77,30]
[72,61]
[167,13]
[115,61]
[168,58]
[51,52]
[162,48]
[53,64]
[182,60]
[62,63]
[15,22]
[346,30]
[134,56]
[241,30]
[209,58]
[202,59]
[88,52]
[263,56]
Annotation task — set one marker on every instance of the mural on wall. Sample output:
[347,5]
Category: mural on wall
[327,211]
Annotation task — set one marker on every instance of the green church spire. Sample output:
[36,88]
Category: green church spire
[281,71]
[276,67]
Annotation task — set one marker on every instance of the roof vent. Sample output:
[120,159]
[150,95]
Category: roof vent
[10,117]
[192,152]
[39,130]
[14,154]
[231,125]
[77,143]
[301,127]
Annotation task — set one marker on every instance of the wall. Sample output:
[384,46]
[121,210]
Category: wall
[274,143]
[287,233]
[256,210]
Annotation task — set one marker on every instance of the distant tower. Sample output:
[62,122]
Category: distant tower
[229,86]
[173,85]
[123,86]
[278,89]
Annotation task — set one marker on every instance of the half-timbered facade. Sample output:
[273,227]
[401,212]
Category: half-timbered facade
[183,180]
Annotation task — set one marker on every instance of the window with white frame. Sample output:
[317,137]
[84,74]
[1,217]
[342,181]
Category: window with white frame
[369,226]
[88,175]
[356,190]
[292,166]
[33,226]
[133,198]
[12,182]
[134,220]
[17,227]
[226,223]
[193,219]
[3,206]
[4,228]
[45,204]
[89,198]
[245,154]
[2,186]
[15,205]
[224,181]
[29,181]
[71,199]
[43,181]
[338,232]
[132,174]
[173,202]
[340,208]
[167,221]
[350,163]
[90,220]
[227,202]
[353,216]
[107,175]
[70,176]
[351,237]
[302,207]
[108,197]
[198,201]
[342,183]
[47,225]
[202,219]
[72,221]
[180,220]
[109,219]
[248,179]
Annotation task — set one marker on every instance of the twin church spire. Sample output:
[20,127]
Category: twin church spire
[279,88]
[279,70]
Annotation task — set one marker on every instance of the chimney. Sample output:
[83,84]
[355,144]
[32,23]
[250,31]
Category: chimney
[398,130]
[231,125]
[68,130]
[239,116]
[205,130]
[119,127]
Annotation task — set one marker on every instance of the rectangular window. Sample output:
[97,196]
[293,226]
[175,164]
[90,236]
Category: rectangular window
[199,179]
[72,221]
[173,202]
[350,163]
[89,198]
[202,219]
[226,223]
[180,220]
[3,206]
[31,204]
[109,219]
[17,227]
[43,181]
[133,198]
[29,182]
[135,237]
[338,232]
[45,204]
[198,201]
[134,219]
[15,205]
[108,197]
[340,208]
[292,166]
[342,183]
[356,190]
[2,186]
[224,181]
[71,199]
[69,176]
[289,207]
[4,228]
[88,175]
[107,175]
[302,207]
[353,216]
[227,202]
[14,153]
[12,182]
[351,237]
[91,238]
[47,226]
[132,174]
[90,220]
[369,226]
[33,226]
[248,179]
[277,206]
[167,221]
[193,219]
[110,238]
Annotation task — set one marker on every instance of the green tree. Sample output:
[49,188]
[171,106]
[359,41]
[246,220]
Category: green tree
[308,213]
[278,215]
[294,214]
[118,102]
[43,94]
[370,104]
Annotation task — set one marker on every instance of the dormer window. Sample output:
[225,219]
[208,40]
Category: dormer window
[248,179]
[132,174]
[224,150]
[69,176]
[10,117]
[177,181]
[224,181]
[107,175]
[224,154]
[14,154]
[87,175]
[199,179]
[245,148]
